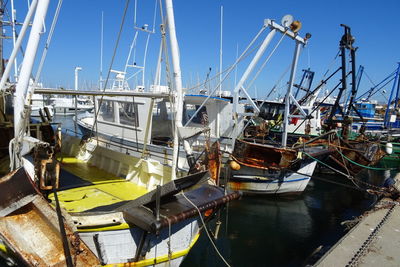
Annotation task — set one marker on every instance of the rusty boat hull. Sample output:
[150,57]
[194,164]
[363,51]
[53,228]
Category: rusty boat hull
[266,169]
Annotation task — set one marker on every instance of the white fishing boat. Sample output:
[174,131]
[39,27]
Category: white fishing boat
[117,209]
[259,165]
[142,124]
[66,106]
[40,108]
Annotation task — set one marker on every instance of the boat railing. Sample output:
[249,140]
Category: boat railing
[112,144]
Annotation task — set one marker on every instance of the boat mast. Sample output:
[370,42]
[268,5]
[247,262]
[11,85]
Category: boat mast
[220,52]
[289,32]
[21,36]
[177,82]
[101,51]
[395,88]
[14,35]
[289,95]
[23,90]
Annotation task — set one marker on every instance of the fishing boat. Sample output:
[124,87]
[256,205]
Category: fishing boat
[142,124]
[345,155]
[259,166]
[40,108]
[71,202]
[66,106]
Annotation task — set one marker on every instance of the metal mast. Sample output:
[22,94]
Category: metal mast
[23,90]
[177,82]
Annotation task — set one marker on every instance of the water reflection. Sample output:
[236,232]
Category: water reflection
[272,231]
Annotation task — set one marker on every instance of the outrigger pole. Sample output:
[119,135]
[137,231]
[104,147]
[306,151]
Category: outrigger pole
[289,30]
[346,43]
[23,91]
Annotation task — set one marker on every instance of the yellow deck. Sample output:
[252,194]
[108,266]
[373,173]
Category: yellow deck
[106,189]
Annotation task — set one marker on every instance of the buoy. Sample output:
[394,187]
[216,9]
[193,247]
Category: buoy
[234,165]
[389,148]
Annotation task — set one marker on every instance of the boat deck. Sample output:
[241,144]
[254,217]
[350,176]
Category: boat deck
[84,187]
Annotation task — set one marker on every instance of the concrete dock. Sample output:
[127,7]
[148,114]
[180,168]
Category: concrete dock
[374,241]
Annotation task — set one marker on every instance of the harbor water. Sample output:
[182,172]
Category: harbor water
[281,230]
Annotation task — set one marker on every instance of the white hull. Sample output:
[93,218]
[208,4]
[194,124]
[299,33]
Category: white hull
[70,111]
[120,246]
[256,181]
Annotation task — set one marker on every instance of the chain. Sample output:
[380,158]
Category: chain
[367,243]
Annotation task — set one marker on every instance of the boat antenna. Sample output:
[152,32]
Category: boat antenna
[101,50]
[220,53]
[97,111]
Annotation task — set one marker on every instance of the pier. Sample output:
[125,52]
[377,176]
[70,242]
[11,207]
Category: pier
[373,241]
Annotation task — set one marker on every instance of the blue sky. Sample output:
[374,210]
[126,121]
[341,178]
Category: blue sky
[76,40]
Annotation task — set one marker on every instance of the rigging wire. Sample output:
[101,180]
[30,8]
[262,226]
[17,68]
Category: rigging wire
[229,70]
[245,53]
[46,48]
[369,78]
[96,112]
[267,59]
[205,229]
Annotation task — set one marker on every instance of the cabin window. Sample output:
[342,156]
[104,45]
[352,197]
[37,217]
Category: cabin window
[107,108]
[271,111]
[201,117]
[162,112]
[128,114]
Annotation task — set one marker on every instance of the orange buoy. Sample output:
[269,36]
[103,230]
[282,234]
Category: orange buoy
[234,165]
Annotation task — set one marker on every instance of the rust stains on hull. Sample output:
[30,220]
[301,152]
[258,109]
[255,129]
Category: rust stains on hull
[263,156]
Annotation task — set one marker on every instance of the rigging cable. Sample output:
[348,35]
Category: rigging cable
[228,70]
[96,112]
[267,59]
[46,47]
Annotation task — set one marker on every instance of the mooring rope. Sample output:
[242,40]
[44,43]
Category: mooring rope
[205,229]
[364,166]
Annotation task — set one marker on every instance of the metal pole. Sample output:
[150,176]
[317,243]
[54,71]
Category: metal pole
[289,92]
[144,59]
[244,77]
[353,80]
[22,90]
[101,52]
[252,65]
[18,44]
[77,69]
[220,53]
[388,111]
[177,82]
[13,18]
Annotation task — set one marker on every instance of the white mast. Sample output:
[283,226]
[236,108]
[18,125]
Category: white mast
[289,96]
[22,92]
[101,51]
[77,69]
[220,53]
[13,15]
[177,81]
[21,36]
[218,120]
